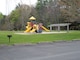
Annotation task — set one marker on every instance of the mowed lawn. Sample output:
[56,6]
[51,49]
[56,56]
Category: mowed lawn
[35,38]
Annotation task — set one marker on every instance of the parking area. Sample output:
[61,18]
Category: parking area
[44,51]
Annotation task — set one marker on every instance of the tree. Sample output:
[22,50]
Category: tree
[42,11]
[69,10]
[1,16]
[19,17]
[48,11]
[14,17]
[24,16]
[1,19]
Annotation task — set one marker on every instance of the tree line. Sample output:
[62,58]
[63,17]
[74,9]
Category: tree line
[46,12]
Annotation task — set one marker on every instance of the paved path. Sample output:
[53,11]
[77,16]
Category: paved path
[53,51]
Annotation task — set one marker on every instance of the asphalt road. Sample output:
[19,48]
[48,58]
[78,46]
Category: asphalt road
[53,51]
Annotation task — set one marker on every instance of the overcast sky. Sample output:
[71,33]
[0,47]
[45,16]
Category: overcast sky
[7,6]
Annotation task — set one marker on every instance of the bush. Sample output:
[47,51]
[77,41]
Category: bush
[75,25]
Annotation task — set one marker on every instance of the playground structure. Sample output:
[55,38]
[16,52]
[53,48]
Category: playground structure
[32,26]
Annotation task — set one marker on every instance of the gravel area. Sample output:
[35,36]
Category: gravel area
[22,33]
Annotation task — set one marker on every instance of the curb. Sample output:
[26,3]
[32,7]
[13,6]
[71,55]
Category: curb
[40,43]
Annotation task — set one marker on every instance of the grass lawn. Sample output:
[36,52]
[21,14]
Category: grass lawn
[35,38]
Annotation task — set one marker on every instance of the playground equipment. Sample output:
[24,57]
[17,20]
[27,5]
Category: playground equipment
[32,26]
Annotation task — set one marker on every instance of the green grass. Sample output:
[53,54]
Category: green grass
[35,38]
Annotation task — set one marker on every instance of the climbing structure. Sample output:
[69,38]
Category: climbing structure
[32,26]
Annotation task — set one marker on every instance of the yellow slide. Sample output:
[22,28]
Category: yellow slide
[33,30]
[28,29]
[45,29]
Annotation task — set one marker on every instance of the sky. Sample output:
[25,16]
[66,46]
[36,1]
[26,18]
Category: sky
[6,6]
